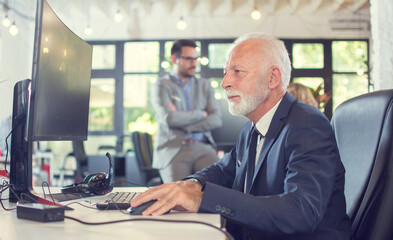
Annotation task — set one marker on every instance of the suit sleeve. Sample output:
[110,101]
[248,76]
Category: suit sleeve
[162,97]
[310,157]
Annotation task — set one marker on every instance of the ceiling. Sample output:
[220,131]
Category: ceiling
[144,19]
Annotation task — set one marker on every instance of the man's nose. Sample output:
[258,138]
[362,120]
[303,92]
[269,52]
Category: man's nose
[226,82]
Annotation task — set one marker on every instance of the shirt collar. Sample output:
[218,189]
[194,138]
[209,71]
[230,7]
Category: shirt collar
[179,79]
[263,124]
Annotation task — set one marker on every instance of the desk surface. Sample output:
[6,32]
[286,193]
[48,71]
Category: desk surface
[13,228]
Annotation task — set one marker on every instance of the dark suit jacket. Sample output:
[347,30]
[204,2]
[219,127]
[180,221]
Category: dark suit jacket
[298,185]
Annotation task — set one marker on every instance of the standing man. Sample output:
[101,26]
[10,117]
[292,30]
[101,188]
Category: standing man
[284,179]
[185,110]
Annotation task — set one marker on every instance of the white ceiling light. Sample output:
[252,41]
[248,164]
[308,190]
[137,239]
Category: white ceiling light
[6,21]
[14,29]
[256,14]
[181,24]
[118,16]
[88,30]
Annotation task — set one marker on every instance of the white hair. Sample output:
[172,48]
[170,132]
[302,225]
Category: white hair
[274,49]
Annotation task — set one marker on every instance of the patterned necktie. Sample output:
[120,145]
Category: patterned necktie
[251,157]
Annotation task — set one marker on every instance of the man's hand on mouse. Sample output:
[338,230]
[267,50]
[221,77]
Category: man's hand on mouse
[181,196]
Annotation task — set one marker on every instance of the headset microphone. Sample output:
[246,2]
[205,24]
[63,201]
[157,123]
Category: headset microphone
[95,183]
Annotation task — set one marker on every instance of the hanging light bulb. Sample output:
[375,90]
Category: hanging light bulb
[88,30]
[255,14]
[6,21]
[118,16]
[204,61]
[181,24]
[165,64]
[14,29]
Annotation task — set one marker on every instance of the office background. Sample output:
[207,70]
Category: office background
[132,52]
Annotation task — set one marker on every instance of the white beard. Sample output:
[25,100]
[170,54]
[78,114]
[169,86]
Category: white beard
[248,103]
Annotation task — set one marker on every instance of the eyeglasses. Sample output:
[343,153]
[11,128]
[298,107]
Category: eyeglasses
[190,59]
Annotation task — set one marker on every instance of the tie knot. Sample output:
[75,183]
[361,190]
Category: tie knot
[255,132]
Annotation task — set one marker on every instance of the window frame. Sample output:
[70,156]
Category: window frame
[118,72]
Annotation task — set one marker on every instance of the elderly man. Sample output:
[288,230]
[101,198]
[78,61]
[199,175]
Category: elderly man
[284,179]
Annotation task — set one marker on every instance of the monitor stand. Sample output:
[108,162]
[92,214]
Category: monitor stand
[21,150]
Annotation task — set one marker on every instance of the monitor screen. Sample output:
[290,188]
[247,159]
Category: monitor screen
[60,86]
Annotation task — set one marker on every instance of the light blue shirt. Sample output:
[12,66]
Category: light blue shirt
[187,92]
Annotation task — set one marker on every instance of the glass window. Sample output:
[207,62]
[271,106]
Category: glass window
[349,56]
[168,47]
[138,111]
[141,56]
[104,57]
[307,55]
[346,86]
[312,82]
[102,102]
[217,54]
[166,61]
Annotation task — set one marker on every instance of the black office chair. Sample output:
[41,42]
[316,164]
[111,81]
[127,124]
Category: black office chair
[143,148]
[364,131]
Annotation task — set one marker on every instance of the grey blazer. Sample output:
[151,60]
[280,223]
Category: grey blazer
[173,126]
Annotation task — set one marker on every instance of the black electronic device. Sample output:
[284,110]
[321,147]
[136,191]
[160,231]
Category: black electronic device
[40,212]
[54,104]
[95,183]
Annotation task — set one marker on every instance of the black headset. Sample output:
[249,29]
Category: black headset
[95,183]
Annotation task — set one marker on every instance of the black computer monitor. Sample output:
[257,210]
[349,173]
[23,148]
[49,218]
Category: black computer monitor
[54,105]
[226,136]
[60,86]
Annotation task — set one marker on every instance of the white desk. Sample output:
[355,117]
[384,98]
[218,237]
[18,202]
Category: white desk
[13,228]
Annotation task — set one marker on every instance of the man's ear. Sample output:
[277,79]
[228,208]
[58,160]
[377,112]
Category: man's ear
[174,59]
[274,77]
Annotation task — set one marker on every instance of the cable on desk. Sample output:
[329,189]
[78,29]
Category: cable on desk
[43,190]
[4,186]
[18,121]
[228,235]
[79,204]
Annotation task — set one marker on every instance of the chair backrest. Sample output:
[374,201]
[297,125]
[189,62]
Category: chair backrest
[364,132]
[143,148]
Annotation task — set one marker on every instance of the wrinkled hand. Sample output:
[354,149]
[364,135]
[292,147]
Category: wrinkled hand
[181,196]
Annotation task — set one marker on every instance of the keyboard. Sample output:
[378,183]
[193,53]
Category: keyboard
[117,200]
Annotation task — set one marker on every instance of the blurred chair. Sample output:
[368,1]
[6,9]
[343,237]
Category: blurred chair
[143,148]
[74,165]
[364,131]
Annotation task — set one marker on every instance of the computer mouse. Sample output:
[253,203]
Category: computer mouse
[139,209]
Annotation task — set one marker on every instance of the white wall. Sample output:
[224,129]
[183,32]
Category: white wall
[382,48]
[15,64]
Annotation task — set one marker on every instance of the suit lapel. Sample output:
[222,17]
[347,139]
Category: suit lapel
[177,95]
[278,122]
[238,183]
